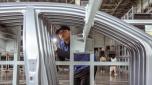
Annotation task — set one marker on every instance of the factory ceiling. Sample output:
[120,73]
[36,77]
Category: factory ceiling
[116,8]
[113,7]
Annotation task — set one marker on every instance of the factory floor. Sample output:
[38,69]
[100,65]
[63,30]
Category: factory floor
[6,77]
[102,78]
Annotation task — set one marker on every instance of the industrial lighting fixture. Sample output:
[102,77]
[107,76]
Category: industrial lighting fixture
[54,40]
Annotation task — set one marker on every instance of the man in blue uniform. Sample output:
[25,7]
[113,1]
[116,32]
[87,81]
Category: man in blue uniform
[81,72]
[63,50]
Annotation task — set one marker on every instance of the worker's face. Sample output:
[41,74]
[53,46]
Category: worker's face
[65,35]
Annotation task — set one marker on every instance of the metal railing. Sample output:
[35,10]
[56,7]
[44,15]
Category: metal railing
[130,14]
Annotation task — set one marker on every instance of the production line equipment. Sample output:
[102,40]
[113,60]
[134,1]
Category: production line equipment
[38,50]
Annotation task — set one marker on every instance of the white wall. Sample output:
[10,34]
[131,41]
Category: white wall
[10,46]
[109,41]
[101,40]
[77,45]
[2,45]
[98,40]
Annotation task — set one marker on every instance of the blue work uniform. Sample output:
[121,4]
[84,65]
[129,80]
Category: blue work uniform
[63,53]
[81,72]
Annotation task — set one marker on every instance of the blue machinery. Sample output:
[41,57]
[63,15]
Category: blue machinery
[40,65]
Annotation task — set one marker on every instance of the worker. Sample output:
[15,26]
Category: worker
[63,48]
[81,72]
[113,67]
[102,59]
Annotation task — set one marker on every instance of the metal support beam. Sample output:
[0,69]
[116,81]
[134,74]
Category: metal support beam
[30,47]
[11,62]
[92,79]
[139,22]
[15,71]
[94,63]
[149,11]
[117,6]
[16,56]
[91,10]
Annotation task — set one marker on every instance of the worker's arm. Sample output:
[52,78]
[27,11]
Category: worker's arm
[63,55]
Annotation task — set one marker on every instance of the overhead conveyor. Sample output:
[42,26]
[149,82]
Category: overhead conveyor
[40,63]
